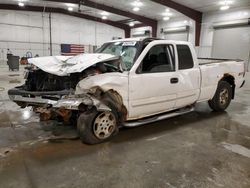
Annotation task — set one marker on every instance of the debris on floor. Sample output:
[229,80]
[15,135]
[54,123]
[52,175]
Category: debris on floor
[5,151]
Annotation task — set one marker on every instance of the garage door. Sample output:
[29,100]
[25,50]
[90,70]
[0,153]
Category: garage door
[181,36]
[232,43]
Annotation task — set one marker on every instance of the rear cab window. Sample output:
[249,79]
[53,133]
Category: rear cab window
[185,57]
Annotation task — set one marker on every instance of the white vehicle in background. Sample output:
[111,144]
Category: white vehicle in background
[129,83]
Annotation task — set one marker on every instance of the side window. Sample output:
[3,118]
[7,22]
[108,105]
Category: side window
[160,58]
[185,57]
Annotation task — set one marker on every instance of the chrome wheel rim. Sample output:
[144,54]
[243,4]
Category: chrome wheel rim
[104,125]
[224,95]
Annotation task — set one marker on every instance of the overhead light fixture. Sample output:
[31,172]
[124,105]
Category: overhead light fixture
[104,13]
[166,18]
[21,4]
[167,14]
[226,2]
[70,9]
[104,17]
[70,5]
[167,10]
[225,7]
[136,9]
[137,3]
[131,24]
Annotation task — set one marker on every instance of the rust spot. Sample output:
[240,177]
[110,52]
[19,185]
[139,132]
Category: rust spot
[65,114]
[45,114]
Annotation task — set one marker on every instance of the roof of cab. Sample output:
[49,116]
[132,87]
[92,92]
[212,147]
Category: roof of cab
[153,39]
[129,39]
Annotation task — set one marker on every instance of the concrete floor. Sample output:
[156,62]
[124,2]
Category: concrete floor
[200,149]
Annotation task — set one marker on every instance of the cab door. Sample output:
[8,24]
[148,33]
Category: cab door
[188,75]
[153,81]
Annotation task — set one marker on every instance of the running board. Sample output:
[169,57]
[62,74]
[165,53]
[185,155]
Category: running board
[158,117]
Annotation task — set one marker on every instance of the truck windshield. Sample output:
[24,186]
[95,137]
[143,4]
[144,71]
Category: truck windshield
[127,50]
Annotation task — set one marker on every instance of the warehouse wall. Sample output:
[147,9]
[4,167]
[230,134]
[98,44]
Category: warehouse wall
[140,31]
[29,31]
[178,22]
[207,32]
[205,48]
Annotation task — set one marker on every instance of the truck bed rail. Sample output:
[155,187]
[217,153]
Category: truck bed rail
[215,60]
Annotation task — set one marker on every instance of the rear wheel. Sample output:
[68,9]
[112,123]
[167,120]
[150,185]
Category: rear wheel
[97,127]
[222,97]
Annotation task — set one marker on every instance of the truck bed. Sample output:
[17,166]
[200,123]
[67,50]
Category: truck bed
[213,70]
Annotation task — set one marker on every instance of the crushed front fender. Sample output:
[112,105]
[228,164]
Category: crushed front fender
[73,102]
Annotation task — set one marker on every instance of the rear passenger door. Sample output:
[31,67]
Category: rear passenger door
[188,77]
[152,84]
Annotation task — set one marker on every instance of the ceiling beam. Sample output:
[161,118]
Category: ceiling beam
[66,12]
[139,25]
[189,12]
[145,20]
[125,21]
[88,3]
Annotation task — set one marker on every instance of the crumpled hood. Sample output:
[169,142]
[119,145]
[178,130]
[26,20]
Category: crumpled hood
[65,65]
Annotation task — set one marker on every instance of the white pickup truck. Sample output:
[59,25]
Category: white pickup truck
[127,82]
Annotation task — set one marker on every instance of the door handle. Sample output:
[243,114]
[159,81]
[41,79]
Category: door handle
[174,80]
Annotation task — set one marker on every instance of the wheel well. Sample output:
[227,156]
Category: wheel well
[113,98]
[230,79]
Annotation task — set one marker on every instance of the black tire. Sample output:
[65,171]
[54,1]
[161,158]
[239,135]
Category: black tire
[87,127]
[222,97]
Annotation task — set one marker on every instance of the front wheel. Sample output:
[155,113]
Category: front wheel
[97,127]
[222,97]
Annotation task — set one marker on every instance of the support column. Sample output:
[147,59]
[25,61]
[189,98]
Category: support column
[154,29]
[50,35]
[127,32]
[197,33]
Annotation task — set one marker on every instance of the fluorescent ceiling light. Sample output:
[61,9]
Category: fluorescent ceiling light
[104,13]
[104,17]
[224,7]
[70,9]
[167,10]
[21,4]
[70,5]
[136,9]
[167,14]
[137,3]
[226,2]
[166,18]
[131,24]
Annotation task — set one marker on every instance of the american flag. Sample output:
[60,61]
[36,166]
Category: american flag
[71,49]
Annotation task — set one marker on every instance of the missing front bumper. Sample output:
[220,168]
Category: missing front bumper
[66,102]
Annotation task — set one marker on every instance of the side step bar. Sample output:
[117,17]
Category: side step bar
[158,117]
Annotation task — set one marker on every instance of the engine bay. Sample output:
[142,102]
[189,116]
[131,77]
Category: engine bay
[39,80]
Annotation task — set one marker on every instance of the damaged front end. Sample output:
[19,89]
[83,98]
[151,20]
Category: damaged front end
[52,93]
[55,106]
[68,106]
